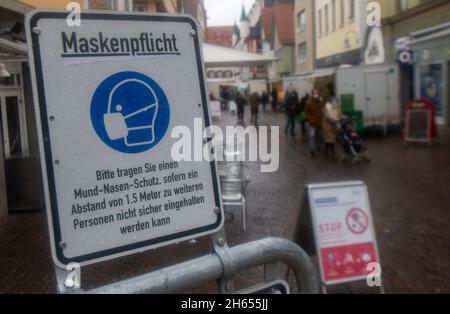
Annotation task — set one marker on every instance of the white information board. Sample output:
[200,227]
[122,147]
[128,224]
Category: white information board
[107,95]
[216,111]
[343,231]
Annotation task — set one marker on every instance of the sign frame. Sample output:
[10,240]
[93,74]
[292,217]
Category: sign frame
[45,147]
[408,126]
[312,187]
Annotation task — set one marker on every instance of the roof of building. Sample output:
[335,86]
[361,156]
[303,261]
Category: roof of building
[223,32]
[267,19]
[284,18]
[244,16]
[280,18]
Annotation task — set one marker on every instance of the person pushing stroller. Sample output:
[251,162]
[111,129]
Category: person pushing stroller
[354,147]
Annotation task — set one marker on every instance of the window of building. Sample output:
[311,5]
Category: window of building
[279,55]
[101,4]
[301,21]
[140,6]
[333,15]
[320,23]
[351,14]
[219,38]
[301,53]
[409,4]
[327,19]
[342,12]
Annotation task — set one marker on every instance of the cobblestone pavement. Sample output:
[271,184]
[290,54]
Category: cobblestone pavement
[409,193]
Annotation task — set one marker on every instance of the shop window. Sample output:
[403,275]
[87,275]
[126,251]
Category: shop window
[101,4]
[140,6]
[301,21]
[302,54]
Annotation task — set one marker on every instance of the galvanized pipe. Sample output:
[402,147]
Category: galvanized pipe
[210,268]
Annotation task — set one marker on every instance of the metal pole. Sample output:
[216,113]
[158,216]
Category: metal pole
[211,268]
[3,196]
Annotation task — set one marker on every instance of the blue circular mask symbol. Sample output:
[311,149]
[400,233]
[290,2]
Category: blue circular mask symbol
[130,112]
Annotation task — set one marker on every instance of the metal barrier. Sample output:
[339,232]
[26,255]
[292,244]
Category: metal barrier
[222,265]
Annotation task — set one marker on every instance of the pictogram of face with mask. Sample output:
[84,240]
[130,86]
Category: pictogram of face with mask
[130,112]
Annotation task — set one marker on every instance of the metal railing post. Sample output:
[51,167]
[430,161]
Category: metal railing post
[209,268]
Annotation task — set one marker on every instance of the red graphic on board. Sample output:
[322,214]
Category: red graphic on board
[357,221]
[347,262]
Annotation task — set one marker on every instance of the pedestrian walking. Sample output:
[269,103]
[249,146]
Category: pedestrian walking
[225,98]
[303,102]
[314,117]
[332,115]
[240,102]
[254,106]
[291,103]
[264,100]
[274,95]
[232,96]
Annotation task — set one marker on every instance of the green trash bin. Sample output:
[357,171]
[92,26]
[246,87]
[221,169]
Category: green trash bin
[358,117]
[347,102]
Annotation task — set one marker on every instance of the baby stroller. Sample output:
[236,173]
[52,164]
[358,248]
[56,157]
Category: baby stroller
[355,149]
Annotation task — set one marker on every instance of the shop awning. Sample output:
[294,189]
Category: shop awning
[318,73]
[216,56]
[12,48]
[221,80]
[323,72]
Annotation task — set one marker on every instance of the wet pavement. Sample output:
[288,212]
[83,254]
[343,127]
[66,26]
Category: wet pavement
[408,189]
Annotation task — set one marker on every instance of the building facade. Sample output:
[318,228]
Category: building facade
[220,36]
[340,31]
[420,29]
[304,37]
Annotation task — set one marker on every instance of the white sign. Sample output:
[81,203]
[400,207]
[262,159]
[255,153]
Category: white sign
[216,111]
[375,51]
[107,95]
[343,231]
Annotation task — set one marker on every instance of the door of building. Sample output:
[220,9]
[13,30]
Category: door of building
[448,94]
[12,142]
[377,91]
[13,118]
